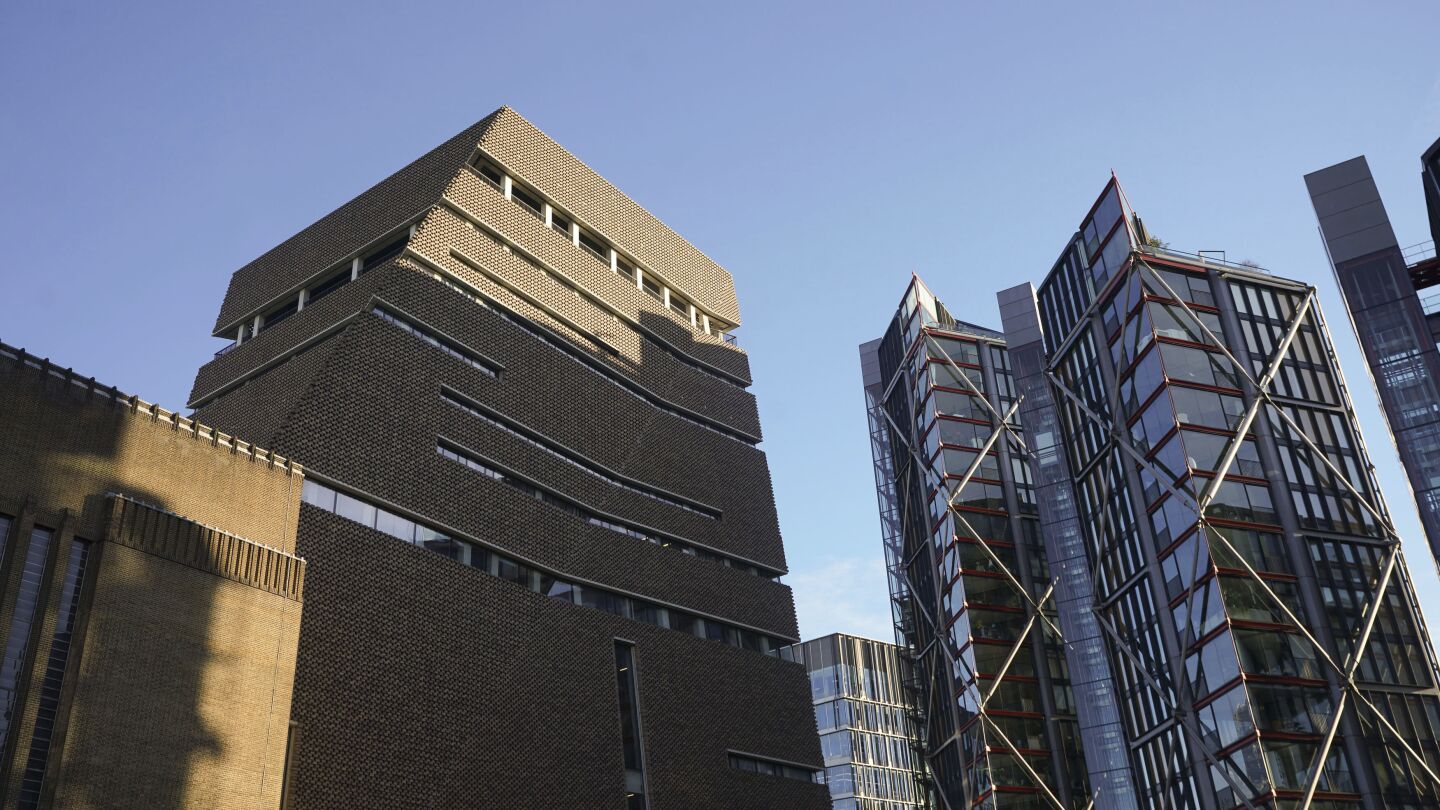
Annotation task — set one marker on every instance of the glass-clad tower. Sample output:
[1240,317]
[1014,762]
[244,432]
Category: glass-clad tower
[1247,580]
[970,587]
[866,732]
[1393,297]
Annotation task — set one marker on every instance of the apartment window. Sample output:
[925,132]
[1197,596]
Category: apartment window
[32,576]
[631,741]
[652,288]
[593,243]
[559,223]
[34,774]
[526,199]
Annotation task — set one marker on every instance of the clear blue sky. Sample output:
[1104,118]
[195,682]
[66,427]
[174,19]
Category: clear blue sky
[822,152]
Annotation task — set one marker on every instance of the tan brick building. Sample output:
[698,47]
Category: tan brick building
[543,550]
[149,601]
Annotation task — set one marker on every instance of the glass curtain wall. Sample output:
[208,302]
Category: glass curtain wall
[1219,617]
[972,588]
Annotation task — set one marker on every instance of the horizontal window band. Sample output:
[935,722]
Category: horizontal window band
[774,767]
[458,400]
[290,353]
[474,461]
[669,348]
[371,249]
[605,239]
[394,315]
[479,557]
[597,367]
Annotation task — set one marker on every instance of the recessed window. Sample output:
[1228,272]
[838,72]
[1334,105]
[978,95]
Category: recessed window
[559,223]
[630,731]
[490,172]
[328,286]
[388,252]
[593,244]
[678,304]
[527,199]
[50,688]
[652,288]
[32,576]
[625,268]
[280,314]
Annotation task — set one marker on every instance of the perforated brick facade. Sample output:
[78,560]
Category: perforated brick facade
[501,387]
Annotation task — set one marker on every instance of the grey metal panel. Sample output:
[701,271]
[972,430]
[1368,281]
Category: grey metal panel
[1361,217]
[1341,174]
[870,363]
[1361,243]
[1019,317]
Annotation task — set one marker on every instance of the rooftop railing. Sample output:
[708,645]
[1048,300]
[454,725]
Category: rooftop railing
[1430,303]
[1418,252]
[1213,257]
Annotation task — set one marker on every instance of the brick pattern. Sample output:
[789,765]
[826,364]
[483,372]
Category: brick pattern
[68,444]
[176,690]
[257,411]
[339,422]
[559,175]
[348,229]
[497,662]
[481,201]
[443,235]
[155,531]
[362,445]
[496,682]
[183,690]
[223,371]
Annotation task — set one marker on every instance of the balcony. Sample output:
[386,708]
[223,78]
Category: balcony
[1424,268]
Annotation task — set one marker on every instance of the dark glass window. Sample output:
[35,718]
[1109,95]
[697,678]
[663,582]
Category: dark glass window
[652,288]
[32,576]
[625,268]
[328,286]
[490,172]
[512,571]
[595,245]
[1204,450]
[630,728]
[380,256]
[560,223]
[527,200]
[39,755]
[276,316]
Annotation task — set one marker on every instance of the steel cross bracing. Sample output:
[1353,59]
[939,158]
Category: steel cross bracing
[1185,719]
[1003,426]
[1119,438]
[900,594]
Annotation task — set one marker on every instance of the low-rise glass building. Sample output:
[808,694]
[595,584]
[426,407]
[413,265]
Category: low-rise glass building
[866,731]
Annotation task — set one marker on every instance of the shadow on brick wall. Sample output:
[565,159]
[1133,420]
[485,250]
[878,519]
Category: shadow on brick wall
[133,727]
